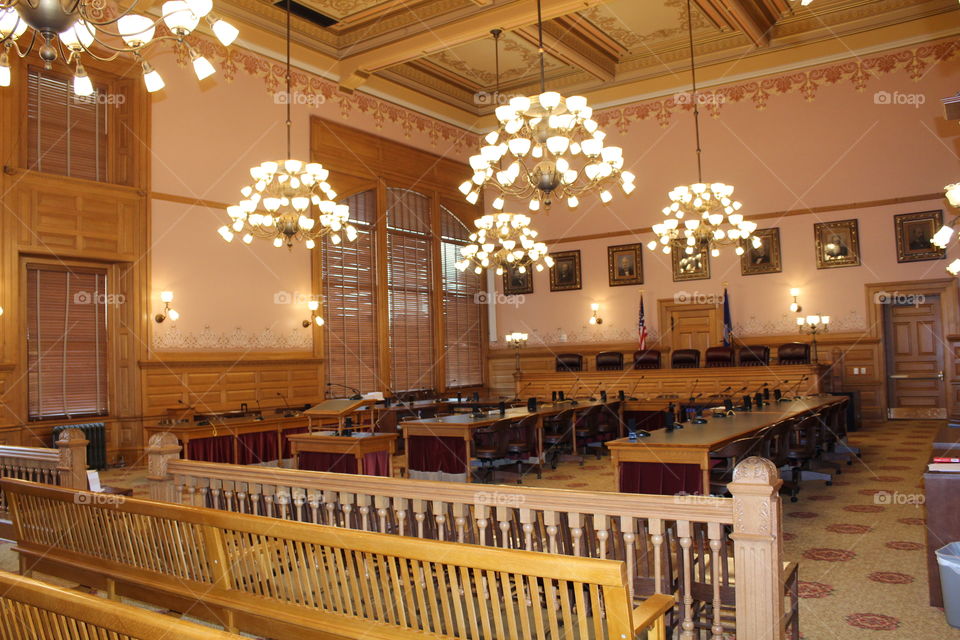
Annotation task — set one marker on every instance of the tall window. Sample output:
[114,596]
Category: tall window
[67,133]
[462,313]
[350,293]
[409,281]
[66,342]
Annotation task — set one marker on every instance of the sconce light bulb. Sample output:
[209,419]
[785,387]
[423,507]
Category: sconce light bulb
[166,296]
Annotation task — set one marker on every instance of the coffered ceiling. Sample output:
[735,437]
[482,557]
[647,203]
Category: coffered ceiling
[443,51]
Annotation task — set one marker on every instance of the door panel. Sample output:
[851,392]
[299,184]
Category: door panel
[694,328]
[915,360]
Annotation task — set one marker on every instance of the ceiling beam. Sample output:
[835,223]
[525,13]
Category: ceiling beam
[558,48]
[354,70]
[757,29]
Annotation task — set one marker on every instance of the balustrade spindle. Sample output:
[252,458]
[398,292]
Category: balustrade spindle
[686,557]
[628,528]
[715,533]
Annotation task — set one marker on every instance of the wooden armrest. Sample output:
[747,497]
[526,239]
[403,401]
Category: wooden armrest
[652,608]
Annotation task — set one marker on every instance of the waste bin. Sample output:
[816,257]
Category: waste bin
[948,557]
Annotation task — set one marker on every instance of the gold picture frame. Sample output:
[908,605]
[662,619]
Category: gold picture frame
[565,272]
[837,244]
[695,266]
[914,231]
[516,283]
[625,264]
[766,258]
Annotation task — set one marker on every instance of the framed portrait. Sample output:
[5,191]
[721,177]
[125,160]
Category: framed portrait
[693,266]
[838,244]
[565,272]
[516,283]
[914,231]
[762,259]
[625,264]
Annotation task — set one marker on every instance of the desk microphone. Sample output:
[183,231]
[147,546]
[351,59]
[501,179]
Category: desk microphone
[356,392]
[522,389]
[778,395]
[289,412]
[576,384]
[694,388]
[593,396]
[259,410]
[796,387]
[634,390]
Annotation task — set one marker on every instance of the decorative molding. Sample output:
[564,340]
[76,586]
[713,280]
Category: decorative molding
[857,72]
[853,322]
[316,90]
[173,339]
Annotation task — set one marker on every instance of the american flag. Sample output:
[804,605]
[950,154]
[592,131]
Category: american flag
[642,327]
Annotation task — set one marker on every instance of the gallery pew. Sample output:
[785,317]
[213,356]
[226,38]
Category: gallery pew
[655,536]
[290,580]
[40,611]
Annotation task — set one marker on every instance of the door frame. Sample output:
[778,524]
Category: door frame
[946,289]
[666,306]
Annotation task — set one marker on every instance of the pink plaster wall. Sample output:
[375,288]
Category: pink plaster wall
[841,147]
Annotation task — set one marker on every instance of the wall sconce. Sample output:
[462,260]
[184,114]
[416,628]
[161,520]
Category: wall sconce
[314,306]
[517,340]
[595,318]
[166,297]
[795,306]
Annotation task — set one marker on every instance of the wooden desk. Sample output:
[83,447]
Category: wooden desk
[348,454]
[942,504]
[457,431]
[692,444]
[232,432]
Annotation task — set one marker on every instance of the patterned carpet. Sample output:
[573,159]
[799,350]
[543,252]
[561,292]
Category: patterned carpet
[860,543]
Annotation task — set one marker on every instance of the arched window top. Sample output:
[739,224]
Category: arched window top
[408,210]
[452,227]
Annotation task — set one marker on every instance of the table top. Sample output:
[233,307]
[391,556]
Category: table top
[717,430]
[323,437]
[489,417]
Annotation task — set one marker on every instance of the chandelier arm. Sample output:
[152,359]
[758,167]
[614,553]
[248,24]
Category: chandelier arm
[21,53]
[134,50]
[693,94]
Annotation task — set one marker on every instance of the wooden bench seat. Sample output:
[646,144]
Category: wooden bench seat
[32,609]
[288,579]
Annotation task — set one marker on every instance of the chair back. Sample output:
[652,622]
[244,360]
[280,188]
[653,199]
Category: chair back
[754,356]
[793,353]
[496,437]
[609,361]
[719,357]
[685,359]
[649,359]
[525,431]
[569,362]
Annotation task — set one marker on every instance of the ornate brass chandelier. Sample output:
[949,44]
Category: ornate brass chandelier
[504,240]
[702,216]
[72,28]
[278,204]
[546,146]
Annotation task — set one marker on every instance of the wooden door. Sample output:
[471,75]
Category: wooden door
[913,344]
[691,326]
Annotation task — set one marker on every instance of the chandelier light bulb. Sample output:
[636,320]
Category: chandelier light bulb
[178,17]
[225,32]
[78,37]
[201,66]
[11,23]
[135,30]
[151,78]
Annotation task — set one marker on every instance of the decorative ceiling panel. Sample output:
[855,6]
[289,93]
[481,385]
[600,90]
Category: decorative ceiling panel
[475,62]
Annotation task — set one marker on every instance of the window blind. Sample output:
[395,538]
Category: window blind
[66,342]
[350,295]
[463,331]
[409,279]
[67,134]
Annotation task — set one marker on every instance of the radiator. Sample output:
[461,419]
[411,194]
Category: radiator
[96,435]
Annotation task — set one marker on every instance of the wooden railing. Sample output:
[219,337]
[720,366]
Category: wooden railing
[36,610]
[688,545]
[65,466]
[294,580]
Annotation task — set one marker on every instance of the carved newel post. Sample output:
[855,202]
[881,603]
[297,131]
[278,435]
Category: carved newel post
[161,449]
[72,463]
[758,549]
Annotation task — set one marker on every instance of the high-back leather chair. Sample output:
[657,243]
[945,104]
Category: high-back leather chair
[794,353]
[719,357]
[685,359]
[649,359]
[754,356]
[609,361]
[569,362]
